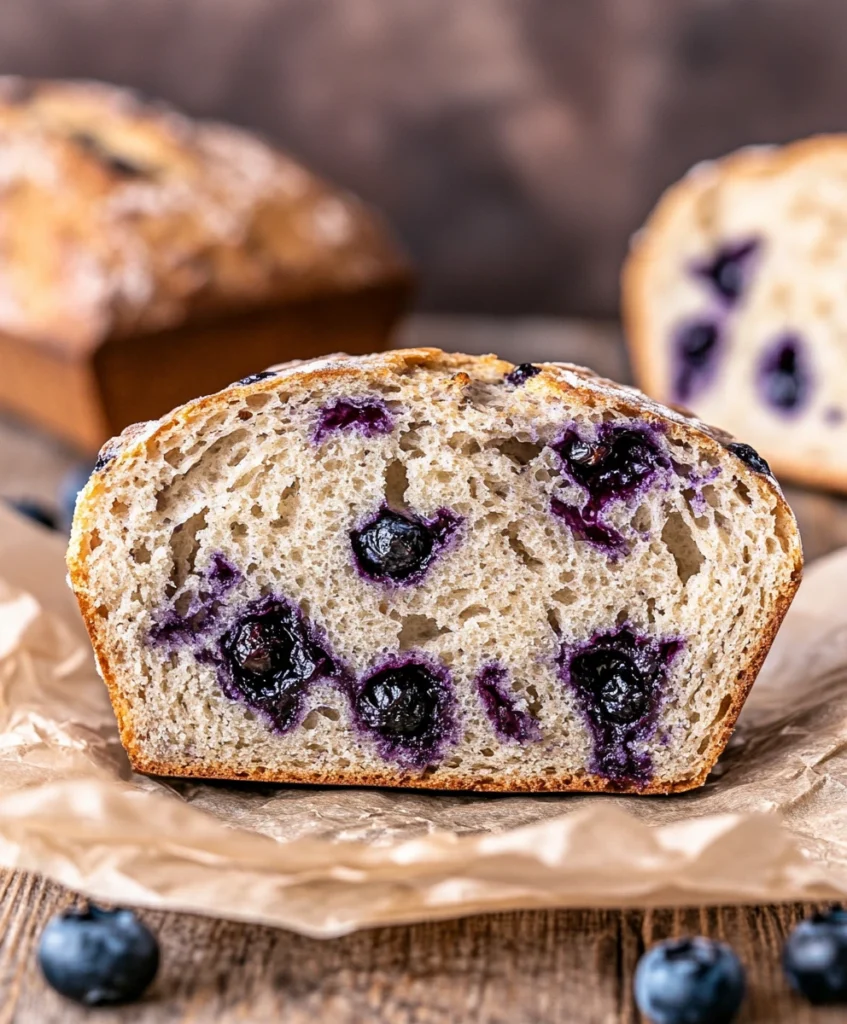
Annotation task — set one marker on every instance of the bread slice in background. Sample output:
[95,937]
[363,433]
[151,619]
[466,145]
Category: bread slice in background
[576,590]
[734,302]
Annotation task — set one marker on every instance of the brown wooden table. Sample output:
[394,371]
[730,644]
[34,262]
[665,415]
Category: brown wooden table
[557,967]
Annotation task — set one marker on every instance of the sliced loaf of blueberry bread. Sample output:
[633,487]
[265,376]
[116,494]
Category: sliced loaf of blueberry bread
[431,570]
[735,306]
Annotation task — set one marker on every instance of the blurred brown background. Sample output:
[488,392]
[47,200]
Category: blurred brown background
[515,144]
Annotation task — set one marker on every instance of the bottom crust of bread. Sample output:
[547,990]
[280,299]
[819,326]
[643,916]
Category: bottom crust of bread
[438,780]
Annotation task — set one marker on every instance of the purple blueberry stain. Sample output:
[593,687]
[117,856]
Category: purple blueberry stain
[619,680]
[696,352]
[407,706]
[784,376]
[510,723]
[399,547]
[728,272]
[268,659]
[366,415]
[585,525]
[620,462]
[522,373]
[178,627]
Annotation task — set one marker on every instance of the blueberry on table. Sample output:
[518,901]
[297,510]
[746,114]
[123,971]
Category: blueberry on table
[689,981]
[35,511]
[98,957]
[815,957]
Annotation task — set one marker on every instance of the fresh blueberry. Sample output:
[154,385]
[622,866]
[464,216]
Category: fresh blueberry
[727,273]
[784,377]
[272,659]
[614,464]
[696,349]
[368,416]
[522,373]
[750,457]
[815,957]
[35,511]
[398,548]
[618,686]
[98,957]
[689,981]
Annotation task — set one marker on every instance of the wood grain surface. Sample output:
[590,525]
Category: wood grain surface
[563,967]
[558,967]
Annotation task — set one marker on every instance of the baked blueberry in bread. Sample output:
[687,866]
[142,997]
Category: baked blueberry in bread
[431,570]
[734,305]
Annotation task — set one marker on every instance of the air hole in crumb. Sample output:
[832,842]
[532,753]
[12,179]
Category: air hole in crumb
[329,713]
[564,596]
[743,492]
[464,443]
[238,529]
[473,611]
[184,545]
[288,500]
[520,452]
[725,705]
[520,549]
[141,554]
[245,414]
[704,744]
[396,484]
[102,611]
[257,511]
[119,508]
[784,526]
[677,538]
[417,630]
[553,619]
[311,720]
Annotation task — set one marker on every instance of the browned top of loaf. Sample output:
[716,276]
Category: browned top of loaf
[122,217]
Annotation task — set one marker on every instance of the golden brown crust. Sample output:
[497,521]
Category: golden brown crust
[561,378]
[160,220]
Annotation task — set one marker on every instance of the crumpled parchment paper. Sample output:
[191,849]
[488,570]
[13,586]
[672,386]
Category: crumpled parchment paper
[771,823]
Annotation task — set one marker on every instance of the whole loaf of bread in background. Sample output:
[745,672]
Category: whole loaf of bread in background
[735,304]
[146,258]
